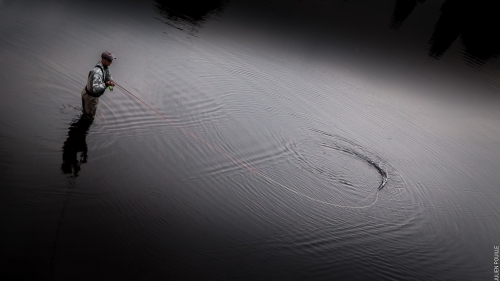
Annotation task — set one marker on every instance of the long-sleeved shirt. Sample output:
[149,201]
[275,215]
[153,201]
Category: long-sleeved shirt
[97,79]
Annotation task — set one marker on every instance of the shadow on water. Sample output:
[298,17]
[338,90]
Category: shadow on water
[402,9]
[74,144]
[475,22]
[188,14]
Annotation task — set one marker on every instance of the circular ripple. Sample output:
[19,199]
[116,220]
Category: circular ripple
[336,171]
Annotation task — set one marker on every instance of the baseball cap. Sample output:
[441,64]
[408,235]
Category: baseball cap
[107,55]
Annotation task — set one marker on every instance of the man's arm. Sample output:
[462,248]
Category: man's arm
[109,80]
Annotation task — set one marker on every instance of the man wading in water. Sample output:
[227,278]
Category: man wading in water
[99,78]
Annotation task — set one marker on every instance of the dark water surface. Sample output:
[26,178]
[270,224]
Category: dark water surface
[272,126]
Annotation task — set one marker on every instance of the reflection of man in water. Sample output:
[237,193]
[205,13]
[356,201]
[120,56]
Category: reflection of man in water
[76,142]
[99,78]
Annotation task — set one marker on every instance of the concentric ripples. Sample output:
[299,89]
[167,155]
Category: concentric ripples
[324,168]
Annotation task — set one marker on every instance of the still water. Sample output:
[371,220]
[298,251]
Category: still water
[250,140]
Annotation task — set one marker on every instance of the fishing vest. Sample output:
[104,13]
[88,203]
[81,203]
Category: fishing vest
[96,95]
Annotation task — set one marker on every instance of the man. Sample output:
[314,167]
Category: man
[97,82]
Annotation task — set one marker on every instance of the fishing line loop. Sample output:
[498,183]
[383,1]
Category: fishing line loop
[253,170]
